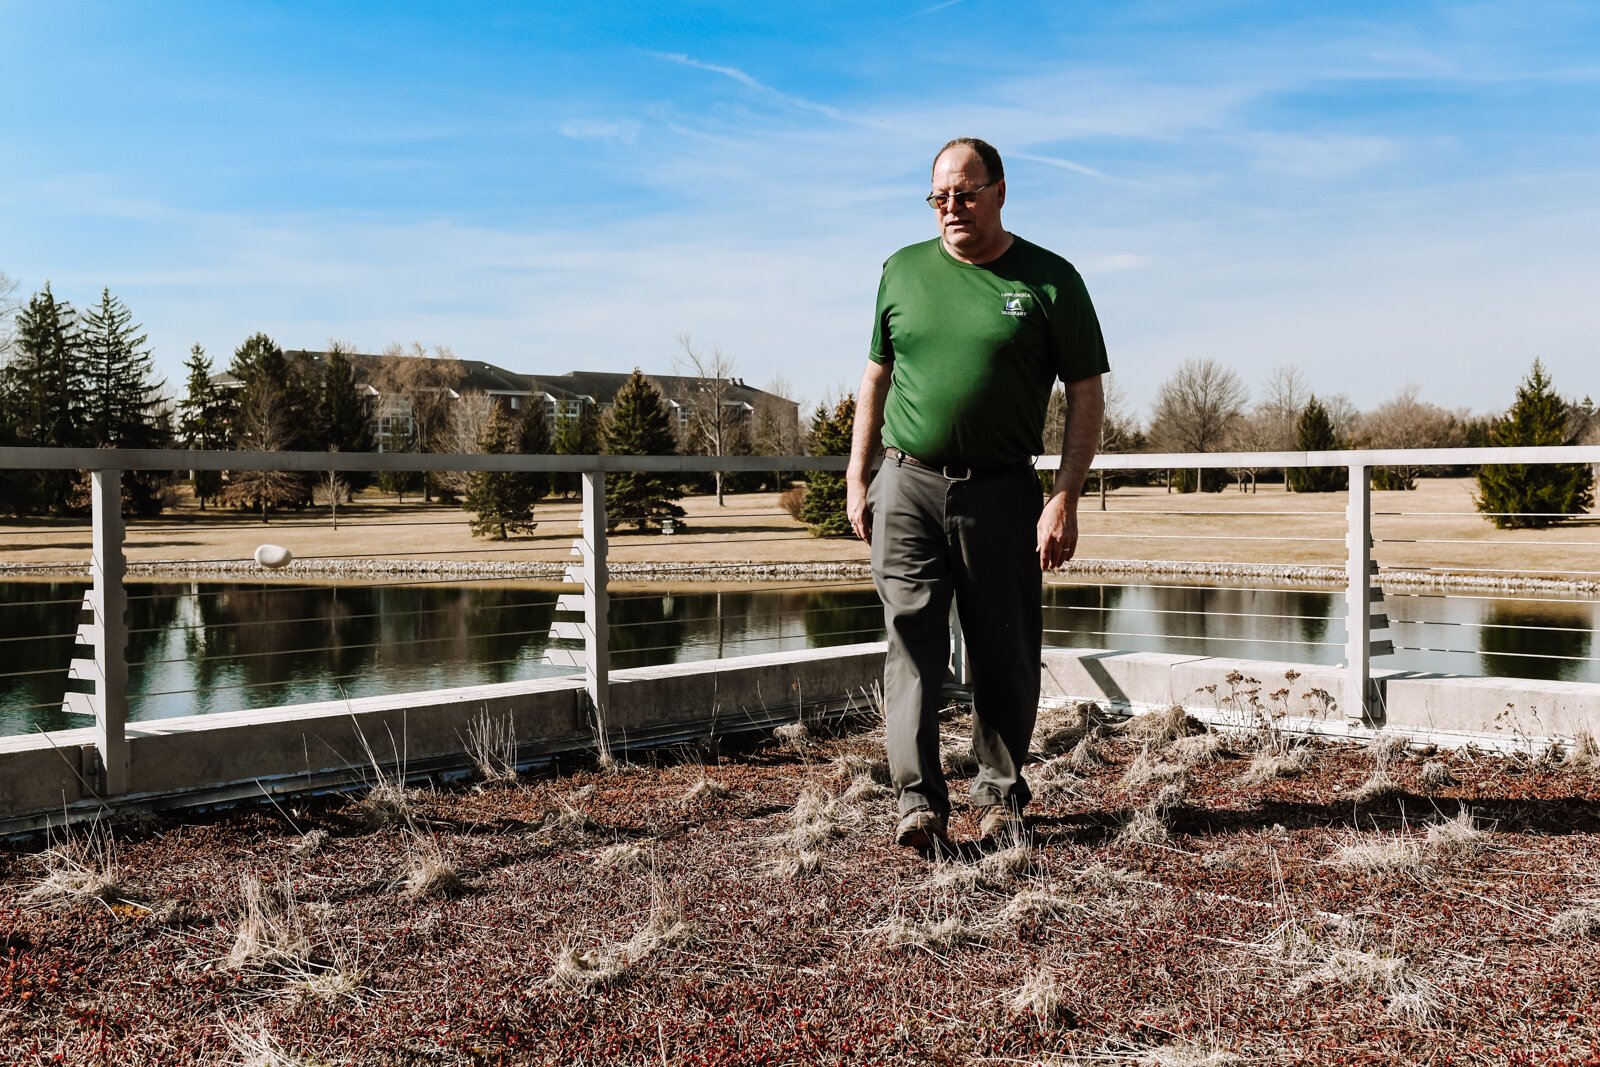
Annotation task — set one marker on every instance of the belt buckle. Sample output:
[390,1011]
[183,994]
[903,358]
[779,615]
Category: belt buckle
[966,476]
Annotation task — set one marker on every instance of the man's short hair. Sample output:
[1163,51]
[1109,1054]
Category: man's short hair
[983,150]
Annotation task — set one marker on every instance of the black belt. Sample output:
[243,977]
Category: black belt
[956,472]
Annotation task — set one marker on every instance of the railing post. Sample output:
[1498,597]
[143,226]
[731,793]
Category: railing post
[1358,595]
[596,604]
[107,631]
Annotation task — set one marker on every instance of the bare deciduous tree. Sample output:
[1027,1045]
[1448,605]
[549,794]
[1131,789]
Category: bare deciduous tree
[1270,424]
[9,306]
[1404,421]
[263,424]
[429,384]
[469,418]
[1198,409]
[715,427]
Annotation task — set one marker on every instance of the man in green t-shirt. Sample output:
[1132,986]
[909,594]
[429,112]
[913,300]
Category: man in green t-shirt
[973,329]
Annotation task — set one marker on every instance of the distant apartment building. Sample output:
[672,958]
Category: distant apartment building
[391,382]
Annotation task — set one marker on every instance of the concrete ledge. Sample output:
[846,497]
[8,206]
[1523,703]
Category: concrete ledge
[301,746]
[1514,707]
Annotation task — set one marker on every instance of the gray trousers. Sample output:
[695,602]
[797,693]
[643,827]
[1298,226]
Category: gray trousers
[933,538]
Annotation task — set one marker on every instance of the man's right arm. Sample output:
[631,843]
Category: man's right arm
[866,441]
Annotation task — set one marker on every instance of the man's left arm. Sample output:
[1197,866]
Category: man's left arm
[1080,438]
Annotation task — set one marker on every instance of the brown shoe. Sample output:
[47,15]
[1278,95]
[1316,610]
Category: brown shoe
[923,829]
[1001,823]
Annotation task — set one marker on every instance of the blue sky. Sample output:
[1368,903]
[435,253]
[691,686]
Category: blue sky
[1379,194]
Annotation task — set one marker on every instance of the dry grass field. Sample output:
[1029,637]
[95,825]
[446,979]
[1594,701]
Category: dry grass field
[1185,898]
[1433,526]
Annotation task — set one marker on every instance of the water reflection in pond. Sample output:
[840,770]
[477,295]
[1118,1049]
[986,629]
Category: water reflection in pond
[199,647]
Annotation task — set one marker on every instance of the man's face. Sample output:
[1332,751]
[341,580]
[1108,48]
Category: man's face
[971,232]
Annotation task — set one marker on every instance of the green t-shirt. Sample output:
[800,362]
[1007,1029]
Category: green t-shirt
[976,348]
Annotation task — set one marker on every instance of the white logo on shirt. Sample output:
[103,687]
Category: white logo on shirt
[1016,303]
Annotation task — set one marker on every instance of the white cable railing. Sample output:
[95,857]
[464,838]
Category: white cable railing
[583,628]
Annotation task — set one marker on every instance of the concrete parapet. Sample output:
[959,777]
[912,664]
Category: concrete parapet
[303,746]
[1123,678]
[1512,707]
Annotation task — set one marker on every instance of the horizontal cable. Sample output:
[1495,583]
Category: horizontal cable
[63,669]
[47,704]
[77,600]
[1478,570]
[1473,541]
[1198,637]
[780,619]
[342,678]
[1196,588]
[1508,655]
[1182,611]
[1486,596]
[1085,513]
[1495,626]
[234,656]
[1493,514]
[236,588]
[391,614]
[44,637]
[1205,537]
[703,644]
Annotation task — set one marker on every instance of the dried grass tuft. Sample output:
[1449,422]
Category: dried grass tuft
[430,875]
[605,964]
[1272,763]
[271,930]
[310,843]
[1386,748]
[1041,998]
[1146,769]
[1584,754]
[330,983]
[1405,994]
[1435,774]
[1161,727]
[1376,789]
[1054,776]
[1144,827]
[864,789]
[704,791]
[1062,729]
[258,1048]
[566,824]
[1458,838]
[83,868]
[816,818]
[1395,855]
[790,864]
[958,759]
[492,747]
[1030,905]
[855,765]
[1088,754]
[1172,795]
[1000,870]
[387,805]
[624,857]
[901,932]
[1196,749]
[1182,1053]
[1576,924]
[795,735]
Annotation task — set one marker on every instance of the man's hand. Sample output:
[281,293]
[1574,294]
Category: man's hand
[856,507]
[1058,531]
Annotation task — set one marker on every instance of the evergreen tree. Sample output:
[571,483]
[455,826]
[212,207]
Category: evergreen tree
[533,439]
[499,500]
[1532,496]
[639,426]
[46,387]
[203,420]
[825,505]
[344,416]
[576,437]
[1314,433]
[402,482]
[274,411]
[124,404]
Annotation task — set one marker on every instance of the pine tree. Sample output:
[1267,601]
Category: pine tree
[47,391]
[1314,433]
[533,439]
[576,437]
[499,500]
[1533,496]
[344,416]
[825,506]
[273,412]
[203,420]
[124,404]
[639,426]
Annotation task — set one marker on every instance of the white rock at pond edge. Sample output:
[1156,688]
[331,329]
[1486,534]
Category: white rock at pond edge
[273,556]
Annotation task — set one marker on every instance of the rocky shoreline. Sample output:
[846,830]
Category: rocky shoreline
[752,571]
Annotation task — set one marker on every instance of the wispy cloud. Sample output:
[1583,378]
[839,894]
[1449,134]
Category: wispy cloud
[931,10]
[626,131]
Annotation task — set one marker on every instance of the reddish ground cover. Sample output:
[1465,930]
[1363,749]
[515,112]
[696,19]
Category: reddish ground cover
[749,908]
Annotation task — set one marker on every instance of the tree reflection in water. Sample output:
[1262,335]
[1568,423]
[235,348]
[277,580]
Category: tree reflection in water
[1517,637]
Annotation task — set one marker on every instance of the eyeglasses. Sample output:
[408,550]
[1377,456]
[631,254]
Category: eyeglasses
[963,199]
